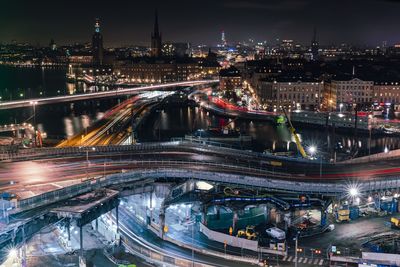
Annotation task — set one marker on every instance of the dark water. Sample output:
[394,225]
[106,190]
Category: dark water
[63,120]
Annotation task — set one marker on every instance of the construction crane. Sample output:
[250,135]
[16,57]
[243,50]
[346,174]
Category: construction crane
[296,137]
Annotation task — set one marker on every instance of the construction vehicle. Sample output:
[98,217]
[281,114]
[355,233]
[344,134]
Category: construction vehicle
[249,233]
[395,222]
[225,128]
[343,214]
[296,137]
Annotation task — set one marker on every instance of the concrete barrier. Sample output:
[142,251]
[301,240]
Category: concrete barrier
[393,154]
[147,170]
[232,241]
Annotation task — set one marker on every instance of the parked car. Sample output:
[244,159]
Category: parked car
[275,232]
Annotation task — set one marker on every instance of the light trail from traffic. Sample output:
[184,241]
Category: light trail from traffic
[115,126]
[103,94]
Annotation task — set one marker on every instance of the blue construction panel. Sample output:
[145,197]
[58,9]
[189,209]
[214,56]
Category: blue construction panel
[354,212]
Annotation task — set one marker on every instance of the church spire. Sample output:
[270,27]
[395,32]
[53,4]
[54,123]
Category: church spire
[156,38]
[156,31]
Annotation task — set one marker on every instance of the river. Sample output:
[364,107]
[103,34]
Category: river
[67,119]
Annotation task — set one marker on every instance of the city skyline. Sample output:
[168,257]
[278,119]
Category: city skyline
[122,24]
[234,133]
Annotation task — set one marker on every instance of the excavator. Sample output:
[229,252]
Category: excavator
[296,137]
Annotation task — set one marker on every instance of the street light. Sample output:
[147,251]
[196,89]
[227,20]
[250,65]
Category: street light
[33,104]
[87,162]
[312,150]
[353,191]
[296,248]
[13,253]
[340,107]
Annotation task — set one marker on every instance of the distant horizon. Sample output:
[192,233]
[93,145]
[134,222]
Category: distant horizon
[147,43]
[356,22]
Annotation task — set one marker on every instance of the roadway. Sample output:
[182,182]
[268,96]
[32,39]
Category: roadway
[102,94]
[132,230]
[117,124]
[187,156]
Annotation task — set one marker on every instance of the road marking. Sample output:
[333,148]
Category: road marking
[56,185]
[290,258]
[294,259]
[284,258]
[320,262]
[310,261]
[315,261]
[301,258]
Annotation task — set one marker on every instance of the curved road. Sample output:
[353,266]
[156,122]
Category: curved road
[194,157]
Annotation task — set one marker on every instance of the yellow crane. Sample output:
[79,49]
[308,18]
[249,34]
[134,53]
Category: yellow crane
[296,137]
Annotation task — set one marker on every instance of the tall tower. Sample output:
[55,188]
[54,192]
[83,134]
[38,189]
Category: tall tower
[97,44]
[156,38]
[223,39]
[314,46]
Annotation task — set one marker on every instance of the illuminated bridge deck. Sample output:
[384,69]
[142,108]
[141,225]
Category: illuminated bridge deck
[102,94]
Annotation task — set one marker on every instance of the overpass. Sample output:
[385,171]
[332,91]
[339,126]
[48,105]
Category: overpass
[95,95]
[133,165]
[50,174]
[15,127]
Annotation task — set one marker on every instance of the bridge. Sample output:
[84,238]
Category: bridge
[15,127]
[45,175]
[95,95]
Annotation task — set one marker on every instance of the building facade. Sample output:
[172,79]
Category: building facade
[386,93]
[342,94]
[230,79]
[147,70]
[291,94]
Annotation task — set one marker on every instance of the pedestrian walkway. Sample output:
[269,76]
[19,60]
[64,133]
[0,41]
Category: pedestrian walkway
[304,260]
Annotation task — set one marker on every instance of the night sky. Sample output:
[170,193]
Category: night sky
[130,22]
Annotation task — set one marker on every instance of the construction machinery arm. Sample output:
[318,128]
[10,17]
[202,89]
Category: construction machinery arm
[296,137]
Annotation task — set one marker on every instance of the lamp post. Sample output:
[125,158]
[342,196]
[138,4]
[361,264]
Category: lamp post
[34,103]
[87,162]
[296,248]
[312,150]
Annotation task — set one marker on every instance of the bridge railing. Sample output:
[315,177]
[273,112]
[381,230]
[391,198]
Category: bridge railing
[16,153]
[170,169]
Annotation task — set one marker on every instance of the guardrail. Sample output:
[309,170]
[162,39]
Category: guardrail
[393,154]
[167,169]
[15,153]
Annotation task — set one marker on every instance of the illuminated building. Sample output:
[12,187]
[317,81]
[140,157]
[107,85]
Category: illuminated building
[223,39]
[209,66]
[79,58]
[314,47]
[160,70]
[347,91]
[97,45]
[386,93]
[291,93]
[230,78]
[170,49]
